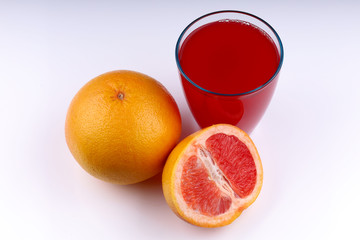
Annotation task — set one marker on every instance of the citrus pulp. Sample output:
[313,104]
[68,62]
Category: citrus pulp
[212,176]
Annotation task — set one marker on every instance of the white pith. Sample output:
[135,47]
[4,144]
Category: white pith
[215,172]
[197,148]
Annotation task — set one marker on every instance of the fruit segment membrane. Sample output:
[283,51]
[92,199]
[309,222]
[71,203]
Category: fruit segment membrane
[222,170]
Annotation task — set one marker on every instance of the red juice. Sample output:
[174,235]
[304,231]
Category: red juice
[229,58]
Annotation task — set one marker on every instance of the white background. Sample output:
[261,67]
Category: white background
[308,138]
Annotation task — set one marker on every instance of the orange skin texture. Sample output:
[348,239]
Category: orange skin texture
[169,187]
[121,126]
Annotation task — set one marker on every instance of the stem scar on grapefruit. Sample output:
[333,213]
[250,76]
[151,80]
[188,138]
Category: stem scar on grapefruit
[121,126]
[211,176]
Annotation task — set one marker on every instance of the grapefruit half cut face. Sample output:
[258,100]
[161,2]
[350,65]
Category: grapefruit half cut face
[212,176]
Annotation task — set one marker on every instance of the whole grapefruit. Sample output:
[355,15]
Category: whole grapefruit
[121,126]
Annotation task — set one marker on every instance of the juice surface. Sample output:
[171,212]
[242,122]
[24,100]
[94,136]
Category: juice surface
[229,57]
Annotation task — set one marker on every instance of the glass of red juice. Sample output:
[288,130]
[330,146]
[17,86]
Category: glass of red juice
[229,63]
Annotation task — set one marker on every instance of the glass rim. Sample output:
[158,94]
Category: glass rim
[281,52]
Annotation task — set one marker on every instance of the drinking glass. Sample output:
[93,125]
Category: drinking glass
[243,109]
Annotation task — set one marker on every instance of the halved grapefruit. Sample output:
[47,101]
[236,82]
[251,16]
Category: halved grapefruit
[212,176]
